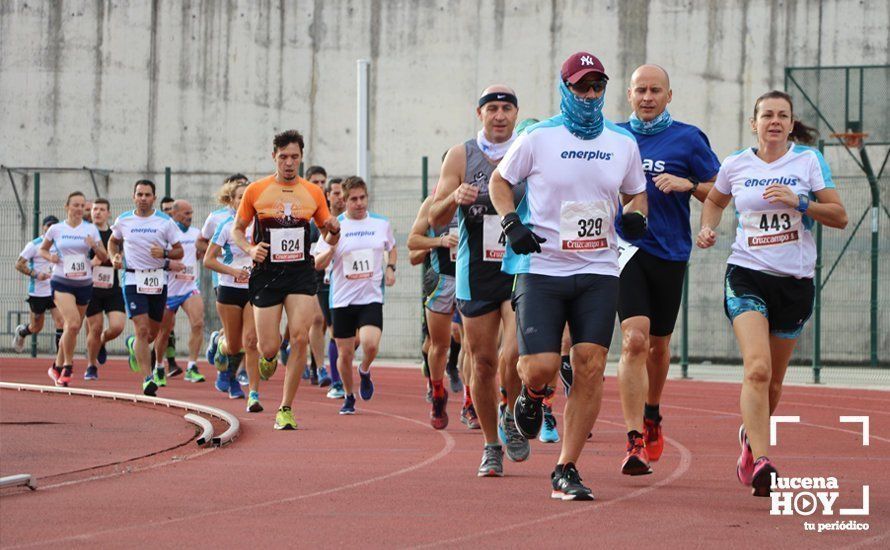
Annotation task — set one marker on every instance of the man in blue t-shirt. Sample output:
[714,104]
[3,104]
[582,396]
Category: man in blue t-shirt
[679,163]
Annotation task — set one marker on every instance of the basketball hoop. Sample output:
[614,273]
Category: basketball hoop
[852,140]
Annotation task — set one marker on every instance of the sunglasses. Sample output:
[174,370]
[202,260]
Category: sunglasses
[585,85]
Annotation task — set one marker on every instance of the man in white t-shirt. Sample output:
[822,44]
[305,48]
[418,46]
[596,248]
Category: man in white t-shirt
[578,167]
[357,279]
[144,241]
[40,294]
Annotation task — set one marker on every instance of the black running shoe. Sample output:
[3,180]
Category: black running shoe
[174,370]
[528,413]
[454,379]
[567,484]
[566,375]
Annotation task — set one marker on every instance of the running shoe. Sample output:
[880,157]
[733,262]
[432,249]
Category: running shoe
[306,374]
[102,356]
[429,391]
[65,377]
[745,465]
[492,462]
[149,387]
[220,359]
[468,417]
[762,479]
[636,463]
[348,404]
[174,371]
[54,373]
[439,414]
[336,391]
[654,438]
[268,367]
[253,402]
[284,419]
[160,377]
[323,379]
[222,382]
[285,353]
[566,483]
[313,377]
[134,364]
[170,352]
[366,388]
[242,377]
[18,341]
[454,378]
[192,375]
[210,353]
[517,446]
[567,376]
[548,431]
[92,373]
[235,391]
[528,412]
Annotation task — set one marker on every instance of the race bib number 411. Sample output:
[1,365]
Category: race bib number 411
[286,244]
[359,264]
[585,226]
[774,228]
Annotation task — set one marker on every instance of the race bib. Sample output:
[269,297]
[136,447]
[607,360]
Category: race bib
[453,250]
[585,226]
[149,281]
[244,265]
[626,251]
[493,239]
[74,265]
[103,276]
[359,264]
[775,228]
[187,274]
[286,244]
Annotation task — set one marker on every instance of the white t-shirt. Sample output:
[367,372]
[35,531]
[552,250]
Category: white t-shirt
[139,235]
[211,224]
[180,283]
[572,197]
[38,264]
[773,238]
[232,255]
[73,250]
[357,274]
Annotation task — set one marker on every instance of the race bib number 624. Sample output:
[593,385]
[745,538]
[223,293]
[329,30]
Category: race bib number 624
[286,244]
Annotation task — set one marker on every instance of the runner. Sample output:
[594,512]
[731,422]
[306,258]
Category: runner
[315,371]
[482,289]
[170,352]
[334,197]
[233,304]
[167,205]
[145,242]
[40,293]
[439,306]
[182,291]
[283,277]
[576,165]
[780,188]
[72,279]
[679,164]
[107,298]
[357,277]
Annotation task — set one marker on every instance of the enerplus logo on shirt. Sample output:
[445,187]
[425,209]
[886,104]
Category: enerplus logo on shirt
[586,155]
[790,181]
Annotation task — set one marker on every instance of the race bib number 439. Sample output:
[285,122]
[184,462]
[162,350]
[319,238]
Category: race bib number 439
[585,226]
[286,245]
[774,228]
[75,265]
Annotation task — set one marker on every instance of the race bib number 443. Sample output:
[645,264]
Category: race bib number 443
[774,228]
[287,244]
[585,226]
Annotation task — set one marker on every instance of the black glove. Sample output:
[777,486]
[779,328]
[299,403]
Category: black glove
[522,239]
[633,225]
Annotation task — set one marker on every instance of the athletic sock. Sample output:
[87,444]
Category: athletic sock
[633,434]
[452,355]
[566,360]
[468,399]
[332,356]
[313,366]
[493,445]
[426,364]
[193,365]
[548,401]
[360,371]
[651,412]
[438,388]
[58,338]
[25,331]
[159,366]
[536,394]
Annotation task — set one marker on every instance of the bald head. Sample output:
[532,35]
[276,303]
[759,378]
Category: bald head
[182,212]
[650,73]
[649,92]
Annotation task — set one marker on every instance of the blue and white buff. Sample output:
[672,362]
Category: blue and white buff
[582,117]
[494,151]
[654,126]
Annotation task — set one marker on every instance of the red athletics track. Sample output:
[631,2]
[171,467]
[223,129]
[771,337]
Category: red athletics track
[384,478]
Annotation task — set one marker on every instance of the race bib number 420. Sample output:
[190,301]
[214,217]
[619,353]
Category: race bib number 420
[287,244]
[150,281]
[774,228]
[585,226]
[493,239]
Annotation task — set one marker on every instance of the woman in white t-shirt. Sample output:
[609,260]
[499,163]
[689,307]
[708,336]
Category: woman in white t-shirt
[72,279]
[780,189]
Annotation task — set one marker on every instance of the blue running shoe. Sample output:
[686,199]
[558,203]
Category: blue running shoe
[211,346]
[243,378]
[102,356]
[323,379]
[235,391]
[336,391]
[306,373]
[348,405]
[548,430]
[222,382]
[366,390]
[92,373]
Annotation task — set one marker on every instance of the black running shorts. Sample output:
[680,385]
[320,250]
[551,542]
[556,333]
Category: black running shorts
[39,304]
[347,320]
[106,300]
[651,287]
[785,301]
[270,286]
[232,296]
[544,304]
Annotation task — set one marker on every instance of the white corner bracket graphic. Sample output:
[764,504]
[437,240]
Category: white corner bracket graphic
[858,511]
[858,419]
[774,420]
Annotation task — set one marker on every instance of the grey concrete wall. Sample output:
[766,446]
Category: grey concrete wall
[201,86]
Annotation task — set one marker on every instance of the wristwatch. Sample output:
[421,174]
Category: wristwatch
[694,183]
[804,203]
[391,266]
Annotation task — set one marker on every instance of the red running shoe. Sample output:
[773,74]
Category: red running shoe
[763,477]
[468,417]
[439,414]
[55,373]
[65,377]
[654,438]
[745,466]
[636,463]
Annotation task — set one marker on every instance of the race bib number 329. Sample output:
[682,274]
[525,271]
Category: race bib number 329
[585,226]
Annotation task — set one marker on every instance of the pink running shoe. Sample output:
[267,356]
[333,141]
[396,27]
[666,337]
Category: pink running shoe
[55,373]
[762,480]
[745,467]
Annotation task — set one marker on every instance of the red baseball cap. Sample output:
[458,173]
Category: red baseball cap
[578,65]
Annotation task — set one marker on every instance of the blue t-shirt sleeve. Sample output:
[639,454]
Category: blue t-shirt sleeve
[703,163]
